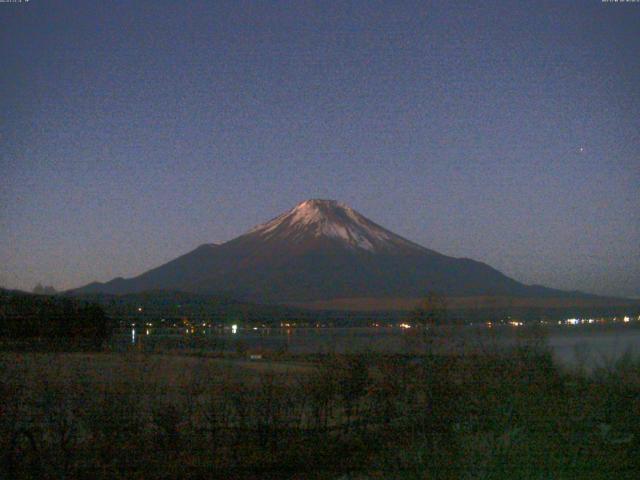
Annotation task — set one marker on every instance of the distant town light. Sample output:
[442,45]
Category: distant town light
[626,319]
[234,328]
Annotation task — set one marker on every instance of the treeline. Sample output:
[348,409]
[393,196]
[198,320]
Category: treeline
[51,319]
[156,304]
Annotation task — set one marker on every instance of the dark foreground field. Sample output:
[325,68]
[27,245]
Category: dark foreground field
[491,415]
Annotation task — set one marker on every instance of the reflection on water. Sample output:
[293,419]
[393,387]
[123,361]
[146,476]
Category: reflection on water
[592,349]
[589,347]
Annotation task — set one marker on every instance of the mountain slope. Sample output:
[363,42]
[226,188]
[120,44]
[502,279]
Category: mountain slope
[321,250]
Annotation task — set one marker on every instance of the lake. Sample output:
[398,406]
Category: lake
[571,345]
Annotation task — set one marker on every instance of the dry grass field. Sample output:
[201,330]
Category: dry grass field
[365,304]
[136,416]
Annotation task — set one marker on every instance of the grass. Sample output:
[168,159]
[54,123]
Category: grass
[504,414]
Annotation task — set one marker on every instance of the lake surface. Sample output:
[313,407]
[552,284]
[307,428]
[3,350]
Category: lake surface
[589,346]
[594,348]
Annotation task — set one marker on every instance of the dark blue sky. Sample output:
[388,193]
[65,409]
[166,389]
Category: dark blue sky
[508,132]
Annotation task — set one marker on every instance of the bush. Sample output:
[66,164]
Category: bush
[52,319]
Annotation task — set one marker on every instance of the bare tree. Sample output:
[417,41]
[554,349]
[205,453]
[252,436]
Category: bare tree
[427,317]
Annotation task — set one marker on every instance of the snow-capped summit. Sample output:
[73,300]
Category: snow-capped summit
[316,219]
[321,250]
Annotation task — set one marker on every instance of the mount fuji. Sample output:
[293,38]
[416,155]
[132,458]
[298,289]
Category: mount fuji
[319,251]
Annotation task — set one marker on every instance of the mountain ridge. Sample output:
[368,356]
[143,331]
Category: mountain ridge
[321,250]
